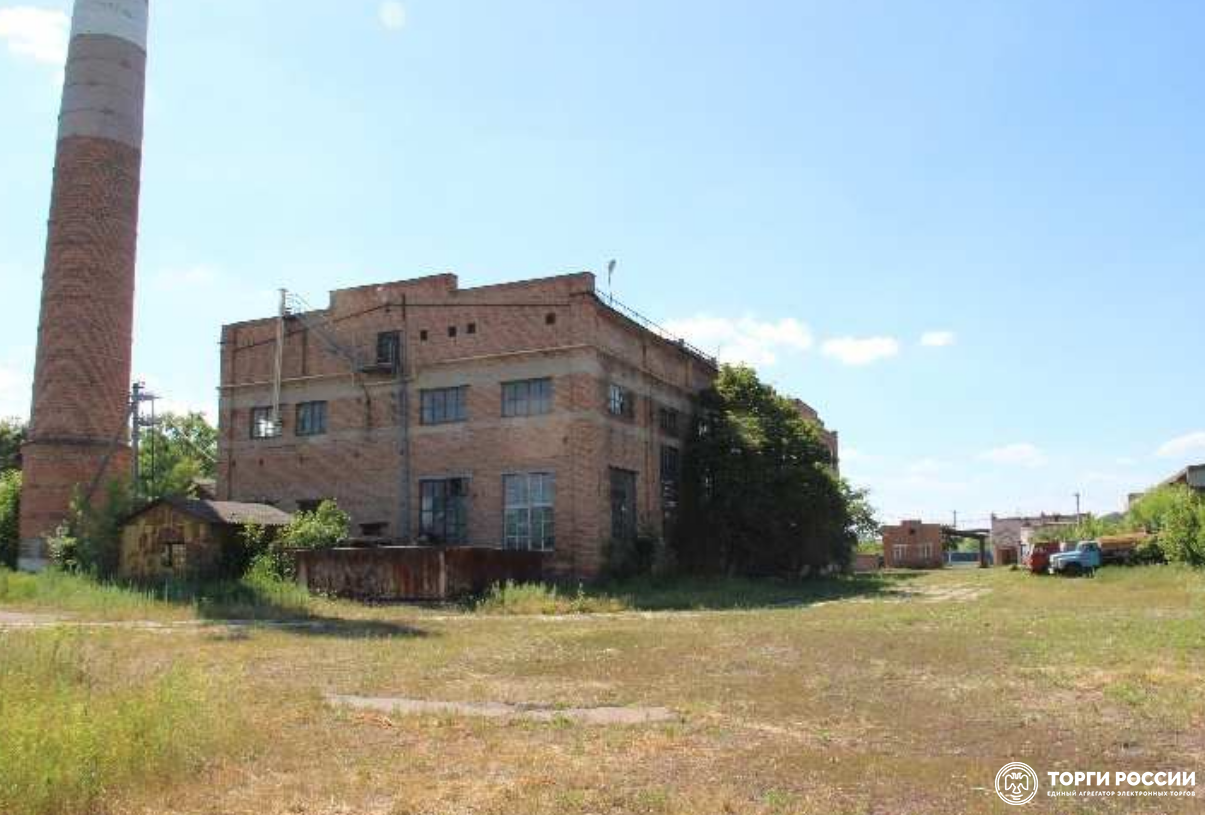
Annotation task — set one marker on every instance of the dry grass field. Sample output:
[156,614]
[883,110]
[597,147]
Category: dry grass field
[896,695]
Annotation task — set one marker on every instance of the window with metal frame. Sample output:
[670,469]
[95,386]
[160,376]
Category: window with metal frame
[262,426]
[669,420]
[671,474]
[899,552]
[527,397]
[444,510]
[389,347]
[529,509]
[311,419]
[621,401]
[445,405]
[623,505]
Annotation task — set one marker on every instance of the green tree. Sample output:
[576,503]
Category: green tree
[90,539]
[10,517]
[760,495]
[180,449]
[1176,515]
[12,436]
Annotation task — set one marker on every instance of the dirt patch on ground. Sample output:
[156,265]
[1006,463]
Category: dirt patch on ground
[501,710]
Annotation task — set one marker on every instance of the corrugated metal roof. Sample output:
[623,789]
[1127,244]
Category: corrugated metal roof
[231,513]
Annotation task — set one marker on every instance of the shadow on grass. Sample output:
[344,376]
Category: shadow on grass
[720,593]
[682,593]
[249,604]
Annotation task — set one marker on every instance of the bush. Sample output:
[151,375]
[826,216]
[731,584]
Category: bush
[90,540]
[324,528]
[512,598]
[10,517]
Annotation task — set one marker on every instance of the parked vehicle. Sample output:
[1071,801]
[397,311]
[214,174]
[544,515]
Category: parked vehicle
[1084,559]
[1037,559]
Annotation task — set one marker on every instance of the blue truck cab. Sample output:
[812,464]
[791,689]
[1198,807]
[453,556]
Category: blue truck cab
[1083,559]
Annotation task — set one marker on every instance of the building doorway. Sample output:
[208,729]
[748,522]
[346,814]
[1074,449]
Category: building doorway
[623,505]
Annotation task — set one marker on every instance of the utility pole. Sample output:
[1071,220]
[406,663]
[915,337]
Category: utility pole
[1077,512]
[956,519]
[139,395]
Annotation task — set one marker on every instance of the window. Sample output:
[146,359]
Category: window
[444,517]
[424,335]
[373,530]
[452,331]
[550,318]
[926,551]
[529,500]
[308,504]
[262,426]
[445,405]
[471,328]
[623,505]
[529,397]
[389,346]
[671,470]
[621,401]
[899,552]
[668,420]
[311,419]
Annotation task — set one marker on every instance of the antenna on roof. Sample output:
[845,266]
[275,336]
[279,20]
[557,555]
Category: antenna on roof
[610,276]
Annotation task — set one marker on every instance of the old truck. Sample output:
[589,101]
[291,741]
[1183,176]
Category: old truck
[1037,557]
[1083,559]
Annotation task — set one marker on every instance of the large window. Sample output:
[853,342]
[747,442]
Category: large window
[311,419]
[445,405]
[621,401]
[623,505]
[529,504]
[671,473]
[262,426]
[528,397]
[444,517]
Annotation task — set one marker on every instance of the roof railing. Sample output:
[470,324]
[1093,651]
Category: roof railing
[649,325]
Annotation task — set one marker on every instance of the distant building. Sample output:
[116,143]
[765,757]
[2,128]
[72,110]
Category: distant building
[1012,536]
[913,545]
[1191,476]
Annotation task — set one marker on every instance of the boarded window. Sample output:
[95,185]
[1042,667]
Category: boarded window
[530,499]
[528,397]
[621,401]
[444,516]
[311,419]
[445,405]
[671,475]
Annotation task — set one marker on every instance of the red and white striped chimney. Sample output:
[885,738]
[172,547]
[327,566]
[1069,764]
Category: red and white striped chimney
[77,436]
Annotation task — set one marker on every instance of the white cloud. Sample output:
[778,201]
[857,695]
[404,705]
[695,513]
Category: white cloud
[36,33]
[860,350]
[938,339]
[747,339]
[1181,446]
[393,15]
[1019,455]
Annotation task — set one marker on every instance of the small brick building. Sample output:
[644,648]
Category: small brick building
[913,545]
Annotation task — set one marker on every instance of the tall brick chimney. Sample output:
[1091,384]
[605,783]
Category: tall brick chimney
[77,435]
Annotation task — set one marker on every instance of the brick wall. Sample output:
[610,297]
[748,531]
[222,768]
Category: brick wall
[475,338]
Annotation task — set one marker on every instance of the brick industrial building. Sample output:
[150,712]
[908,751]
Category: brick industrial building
[913,545]
[532,415]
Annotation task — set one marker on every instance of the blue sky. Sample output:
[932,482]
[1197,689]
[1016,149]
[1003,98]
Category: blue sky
[971,234]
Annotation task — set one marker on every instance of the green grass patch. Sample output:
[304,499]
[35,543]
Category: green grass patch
[258,596]
[74,731]
[541,598]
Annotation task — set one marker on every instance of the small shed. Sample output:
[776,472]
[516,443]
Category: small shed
[190,538]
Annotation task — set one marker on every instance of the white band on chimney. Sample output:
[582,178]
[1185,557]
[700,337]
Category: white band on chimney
[126,19]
